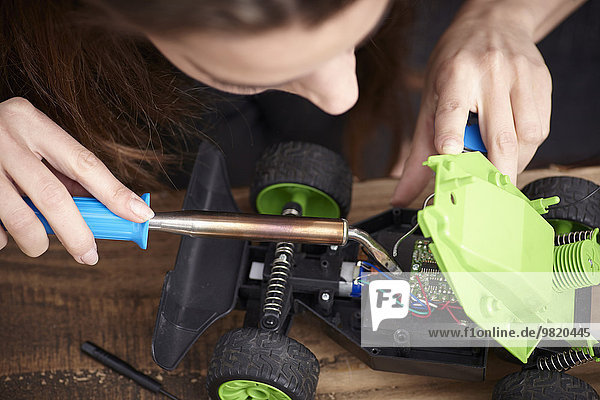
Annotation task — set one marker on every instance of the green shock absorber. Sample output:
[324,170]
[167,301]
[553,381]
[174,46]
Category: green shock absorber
[576,261]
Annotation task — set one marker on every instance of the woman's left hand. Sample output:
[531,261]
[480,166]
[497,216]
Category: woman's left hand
[487,63]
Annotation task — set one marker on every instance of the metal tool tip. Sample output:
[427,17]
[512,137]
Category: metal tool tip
[169,395]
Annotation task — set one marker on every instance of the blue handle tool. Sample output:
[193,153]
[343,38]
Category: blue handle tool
[473,141]
[103,223]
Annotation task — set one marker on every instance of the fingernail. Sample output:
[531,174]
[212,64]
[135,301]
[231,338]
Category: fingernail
[452,146]
[140,208]
[89,258]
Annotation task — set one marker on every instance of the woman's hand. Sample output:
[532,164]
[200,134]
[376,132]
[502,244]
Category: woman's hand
[486,62]
[27,137]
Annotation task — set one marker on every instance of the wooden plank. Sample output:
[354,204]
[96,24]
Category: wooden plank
[51,304]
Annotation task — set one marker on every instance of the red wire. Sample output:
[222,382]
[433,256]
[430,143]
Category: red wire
[426,301]
[452,315]
[445,305]
[420,316]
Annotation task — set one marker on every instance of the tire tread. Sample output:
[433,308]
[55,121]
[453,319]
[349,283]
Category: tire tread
[268,357]
[543,385]
[570,190]
[307,164]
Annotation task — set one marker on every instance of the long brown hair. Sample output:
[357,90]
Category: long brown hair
[110,89]
[384,100]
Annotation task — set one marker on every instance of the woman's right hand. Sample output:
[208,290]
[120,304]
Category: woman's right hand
[27,136]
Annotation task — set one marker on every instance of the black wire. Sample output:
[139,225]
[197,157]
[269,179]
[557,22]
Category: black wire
[593,192]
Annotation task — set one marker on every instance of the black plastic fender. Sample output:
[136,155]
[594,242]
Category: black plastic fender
[203,285]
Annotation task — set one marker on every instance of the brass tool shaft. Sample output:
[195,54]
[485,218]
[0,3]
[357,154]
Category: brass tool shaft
[269,228]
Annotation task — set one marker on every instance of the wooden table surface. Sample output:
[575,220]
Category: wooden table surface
[51,304]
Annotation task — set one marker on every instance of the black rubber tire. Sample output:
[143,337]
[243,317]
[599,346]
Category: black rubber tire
[542,385]
[307,164]
[267,357]
[570,190]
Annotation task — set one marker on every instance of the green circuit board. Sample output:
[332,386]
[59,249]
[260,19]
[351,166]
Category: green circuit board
[426,269]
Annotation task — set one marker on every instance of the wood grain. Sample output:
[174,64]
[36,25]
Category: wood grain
[51,304]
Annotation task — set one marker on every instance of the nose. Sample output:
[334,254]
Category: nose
[332,87]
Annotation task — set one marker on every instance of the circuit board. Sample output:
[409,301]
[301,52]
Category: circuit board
[425,269]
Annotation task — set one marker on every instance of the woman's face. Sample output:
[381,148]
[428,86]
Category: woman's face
[314,62]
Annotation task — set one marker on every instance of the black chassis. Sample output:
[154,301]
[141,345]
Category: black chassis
[211,278]
[317,271]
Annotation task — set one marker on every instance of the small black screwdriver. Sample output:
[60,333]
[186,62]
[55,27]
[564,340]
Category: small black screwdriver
[124,369]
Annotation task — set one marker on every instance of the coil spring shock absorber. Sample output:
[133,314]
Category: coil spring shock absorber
[575,266]
[565,360]
[572,237]
[281,266]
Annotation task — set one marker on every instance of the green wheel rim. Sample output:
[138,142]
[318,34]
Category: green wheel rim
[240,389]
[562,226]
[314,202]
